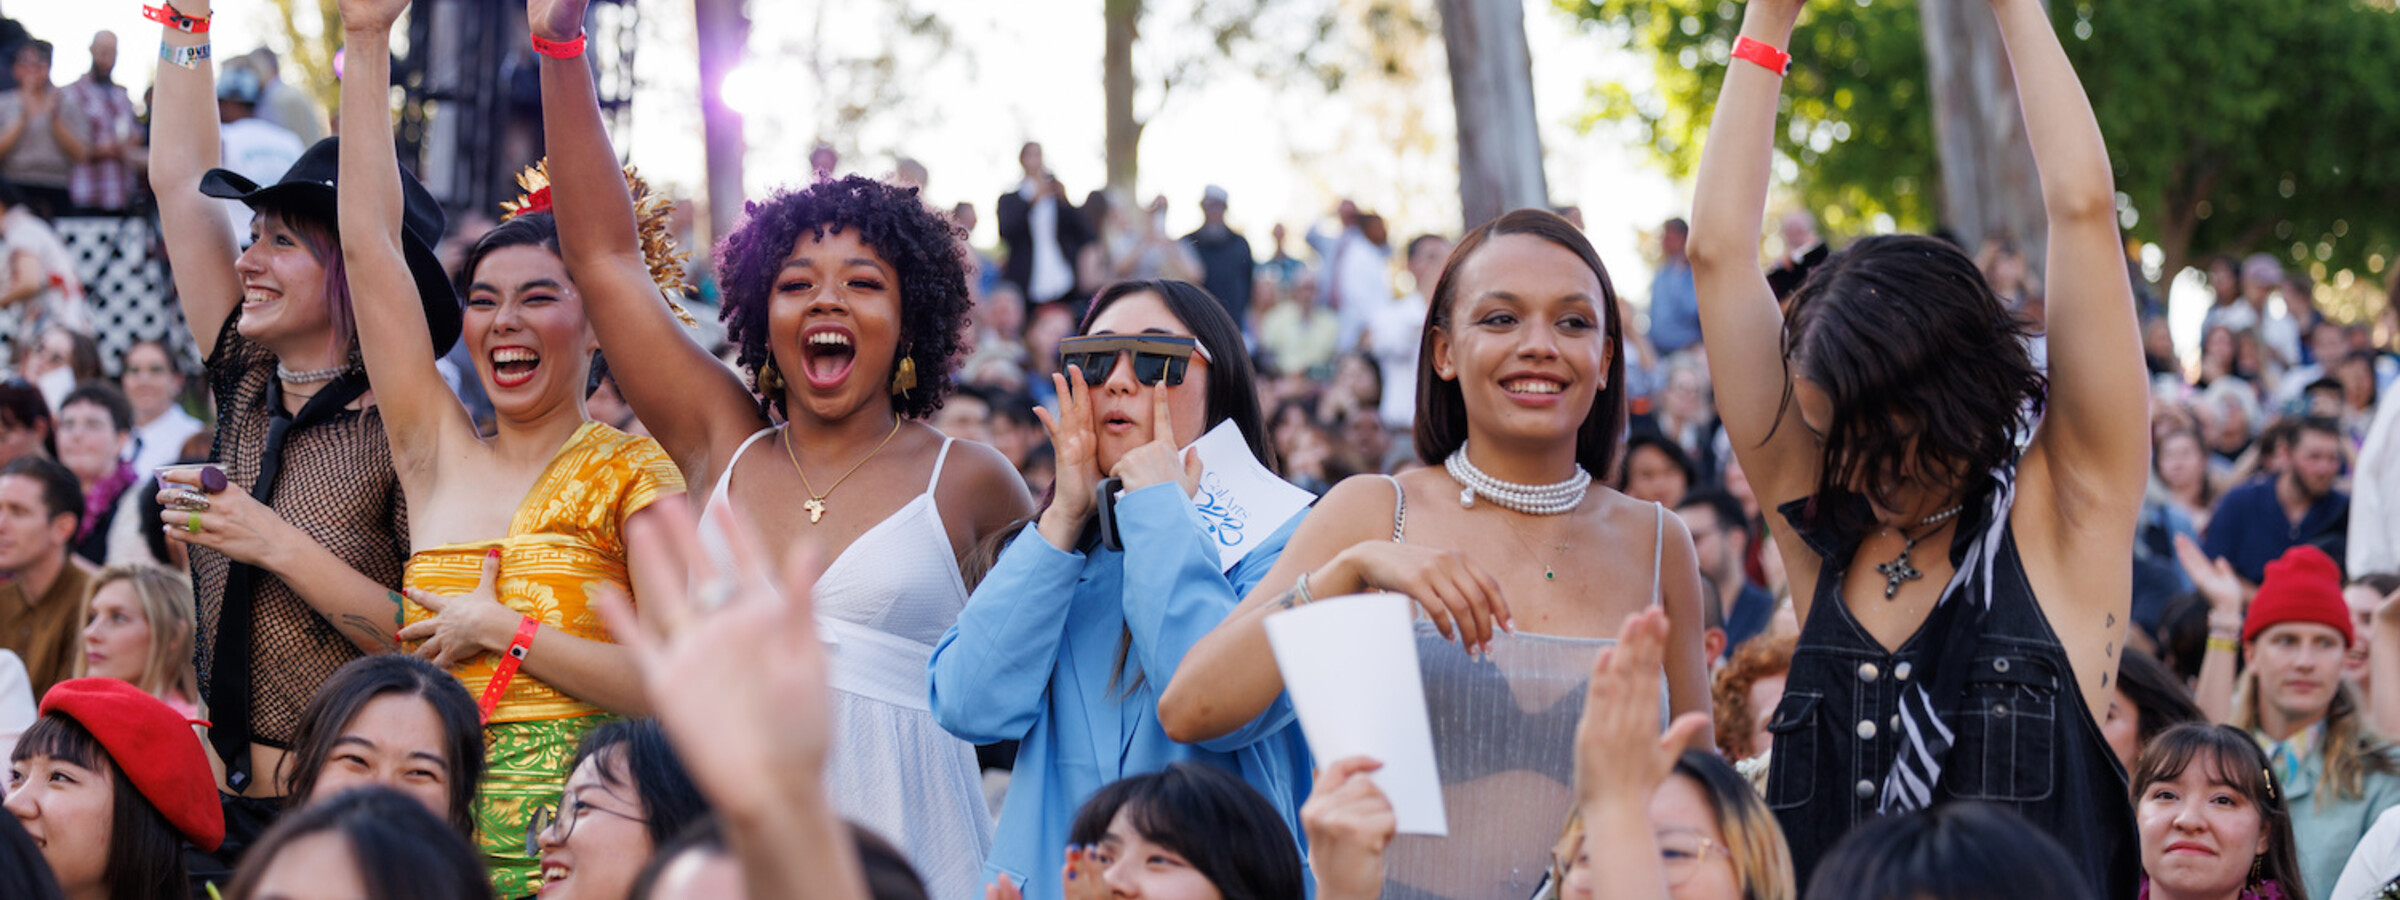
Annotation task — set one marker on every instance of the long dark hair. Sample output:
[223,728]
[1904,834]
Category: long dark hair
[400,850]
[22,406]
[1232,383]
[2234,760]
[1885,329]
[359,682]
[1442,406]
[1955,851]
[145,853]
[670,801]
[1215,821]
[23,871]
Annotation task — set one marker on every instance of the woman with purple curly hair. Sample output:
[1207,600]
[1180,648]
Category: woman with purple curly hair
[845,298]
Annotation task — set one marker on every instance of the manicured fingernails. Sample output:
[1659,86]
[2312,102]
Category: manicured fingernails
[493,553]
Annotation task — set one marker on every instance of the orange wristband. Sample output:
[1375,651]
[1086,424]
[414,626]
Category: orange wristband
[559,49]
[507,672]
[1765,55]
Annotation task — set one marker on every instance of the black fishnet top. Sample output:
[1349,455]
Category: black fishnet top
[337,485]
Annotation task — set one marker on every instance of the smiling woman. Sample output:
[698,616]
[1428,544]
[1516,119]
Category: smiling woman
[502,596]
[1521,396]
[844,298]
[2215,823]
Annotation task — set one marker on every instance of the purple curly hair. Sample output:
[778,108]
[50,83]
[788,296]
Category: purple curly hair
[920,244]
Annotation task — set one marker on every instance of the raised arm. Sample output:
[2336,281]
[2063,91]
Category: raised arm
[183,124]
[1739,320]
[2095,431]
[687,399]
[392,334]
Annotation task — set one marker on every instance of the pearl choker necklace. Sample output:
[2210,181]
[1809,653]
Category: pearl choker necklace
[1531,499]
[309,376]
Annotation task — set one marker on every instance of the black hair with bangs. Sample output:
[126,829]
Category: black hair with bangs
[1215,821]
[145,853]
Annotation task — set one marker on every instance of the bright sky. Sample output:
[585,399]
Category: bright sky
[1033,73]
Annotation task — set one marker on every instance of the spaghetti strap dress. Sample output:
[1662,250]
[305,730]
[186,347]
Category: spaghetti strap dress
[1504,745]
[884,603]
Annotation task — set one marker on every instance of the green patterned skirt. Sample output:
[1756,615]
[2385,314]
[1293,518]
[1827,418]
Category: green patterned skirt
[525,770]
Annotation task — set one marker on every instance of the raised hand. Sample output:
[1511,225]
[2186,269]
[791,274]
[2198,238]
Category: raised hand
[556,20]
[1349,824]
[1085,876]
[371,15]
[1076,451]
[1620,755]
[2214,578]
[1162,460]
[466,626]
[737,675]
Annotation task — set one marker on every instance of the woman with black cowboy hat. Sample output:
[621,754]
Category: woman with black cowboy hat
[298,533]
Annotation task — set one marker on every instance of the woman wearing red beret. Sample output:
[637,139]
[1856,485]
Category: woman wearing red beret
[111,783]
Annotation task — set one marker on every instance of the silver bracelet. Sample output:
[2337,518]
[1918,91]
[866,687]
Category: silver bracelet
[1301,586]
[188,57]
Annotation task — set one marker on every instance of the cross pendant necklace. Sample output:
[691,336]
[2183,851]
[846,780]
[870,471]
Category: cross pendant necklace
[1898,571]
[815,504]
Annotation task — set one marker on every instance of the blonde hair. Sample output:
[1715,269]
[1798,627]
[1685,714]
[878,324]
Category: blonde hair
[165,599]
[2351,747]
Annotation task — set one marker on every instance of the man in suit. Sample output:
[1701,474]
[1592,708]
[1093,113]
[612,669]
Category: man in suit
[1803,252]
[1042,231]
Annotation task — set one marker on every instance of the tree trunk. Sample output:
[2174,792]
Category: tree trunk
[724,31]
[1491,84]
[1989,186]
[1122,24]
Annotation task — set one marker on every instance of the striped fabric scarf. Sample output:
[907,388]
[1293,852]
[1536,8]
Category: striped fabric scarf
[1928,740]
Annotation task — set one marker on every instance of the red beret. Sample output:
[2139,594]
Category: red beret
[153,745]
[2303,586]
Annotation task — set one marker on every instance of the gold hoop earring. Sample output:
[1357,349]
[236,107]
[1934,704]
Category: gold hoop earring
[904,378]
[770,380]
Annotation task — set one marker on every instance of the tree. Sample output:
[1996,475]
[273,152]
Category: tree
[2233,125]
[310,61]
[1491,86]
[1989,186]
[1283,37]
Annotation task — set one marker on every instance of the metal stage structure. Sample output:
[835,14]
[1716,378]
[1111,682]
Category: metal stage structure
[471,108]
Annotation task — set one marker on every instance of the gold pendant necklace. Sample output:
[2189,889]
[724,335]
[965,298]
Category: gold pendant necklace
[816,501]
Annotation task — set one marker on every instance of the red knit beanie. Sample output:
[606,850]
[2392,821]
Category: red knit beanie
[153,745]
[2303,586]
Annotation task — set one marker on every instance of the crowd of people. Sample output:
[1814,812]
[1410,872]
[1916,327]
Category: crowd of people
[1973,588]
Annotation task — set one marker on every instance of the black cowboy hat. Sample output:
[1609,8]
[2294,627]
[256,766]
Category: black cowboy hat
[308,189]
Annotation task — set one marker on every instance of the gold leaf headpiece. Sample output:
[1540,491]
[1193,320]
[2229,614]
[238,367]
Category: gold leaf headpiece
[650,215]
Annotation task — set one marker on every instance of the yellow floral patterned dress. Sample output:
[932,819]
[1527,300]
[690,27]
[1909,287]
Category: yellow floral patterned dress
[566,540]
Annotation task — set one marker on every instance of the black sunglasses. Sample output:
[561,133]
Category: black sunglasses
[1157,358]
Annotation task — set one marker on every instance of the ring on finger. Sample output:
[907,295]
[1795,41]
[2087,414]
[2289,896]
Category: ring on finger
[192,525]
[187,501]
[713,593]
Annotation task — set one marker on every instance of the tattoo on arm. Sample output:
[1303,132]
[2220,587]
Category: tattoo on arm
[366,628]
[399,608]
[1290,596]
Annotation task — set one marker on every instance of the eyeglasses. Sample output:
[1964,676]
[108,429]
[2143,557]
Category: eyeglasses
[570,811]
[1157,358]
[1682,852]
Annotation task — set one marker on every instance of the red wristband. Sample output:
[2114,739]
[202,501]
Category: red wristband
[166,14]
[507,672]
[1764,54]
[559,49]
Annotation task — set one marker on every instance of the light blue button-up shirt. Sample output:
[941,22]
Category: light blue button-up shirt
[1035,658]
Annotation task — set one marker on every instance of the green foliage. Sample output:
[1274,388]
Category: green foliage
[1858,126]
[2234,125]
[2253,124]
